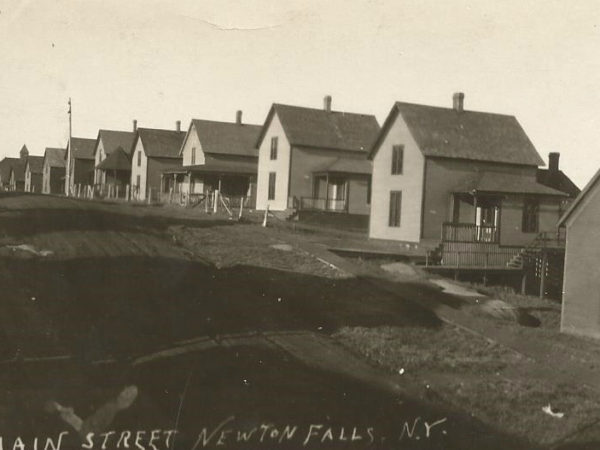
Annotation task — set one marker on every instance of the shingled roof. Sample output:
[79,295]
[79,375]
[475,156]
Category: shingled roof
[311,127]
[161,143]
[5,166]
[117,160]
[507,183]
[227,138]
[36,164]
[558,180]
[113,140]
[347,165]
[479,136]
[55,156]
[83,148]
[19,169]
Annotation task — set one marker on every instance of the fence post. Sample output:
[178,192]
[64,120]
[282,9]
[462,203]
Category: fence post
[264,224]
[216,201]
[543,274]
[241,207]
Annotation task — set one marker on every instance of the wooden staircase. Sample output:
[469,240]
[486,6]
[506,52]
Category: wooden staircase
[542,241]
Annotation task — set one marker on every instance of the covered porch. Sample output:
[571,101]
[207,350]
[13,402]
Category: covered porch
[116,174]
[341,187]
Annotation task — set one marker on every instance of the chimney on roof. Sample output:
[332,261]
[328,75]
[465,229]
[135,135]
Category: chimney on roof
[134,125]
[238,117]
[327,103]
[553,158]
[178,125]
[458,100]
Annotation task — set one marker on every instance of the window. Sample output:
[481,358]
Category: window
[395,207]
[274,140]
[193,156]
[397,159]
[137,182]
[139,159]
[369,187]
[531,212]
[271,186]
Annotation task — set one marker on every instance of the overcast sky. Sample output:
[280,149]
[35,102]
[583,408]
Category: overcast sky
[162,61]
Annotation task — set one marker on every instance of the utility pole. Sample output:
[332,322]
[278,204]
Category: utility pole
[69,157]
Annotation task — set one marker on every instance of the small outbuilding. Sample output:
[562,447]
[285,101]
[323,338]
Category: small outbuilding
[581,283]
[53,178]
[34,174]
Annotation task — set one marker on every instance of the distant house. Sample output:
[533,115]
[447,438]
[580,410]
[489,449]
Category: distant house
[555,178]
[217,156]
[112,156]
[53,179]
[581,283]
[5,166]
[315,160]
[82,162]
[17,171]
[34,172]
[154,151]
[460,178]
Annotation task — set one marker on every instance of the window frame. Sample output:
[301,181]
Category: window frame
[397,159]
[272,186]
[274,148]
[530,219]
[395,209]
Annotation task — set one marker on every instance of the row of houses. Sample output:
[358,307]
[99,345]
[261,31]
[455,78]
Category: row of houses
[450,180]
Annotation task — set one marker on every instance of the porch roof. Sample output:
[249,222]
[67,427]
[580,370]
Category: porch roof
[347,166]
[225,167]
[494,182]
[117,160]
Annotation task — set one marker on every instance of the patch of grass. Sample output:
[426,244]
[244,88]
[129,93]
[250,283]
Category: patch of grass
[468,372]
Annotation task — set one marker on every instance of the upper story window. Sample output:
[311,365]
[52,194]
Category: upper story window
[531,213]
[193,156]
[397,159]
[274,141]
[139,161]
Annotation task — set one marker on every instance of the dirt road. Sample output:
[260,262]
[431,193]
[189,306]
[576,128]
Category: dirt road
[89,288]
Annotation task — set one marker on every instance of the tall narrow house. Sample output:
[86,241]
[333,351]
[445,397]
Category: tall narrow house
[112,155]
[315,160]
[53,178]
[464,179]
[82,163]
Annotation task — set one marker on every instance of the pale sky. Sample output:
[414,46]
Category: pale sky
[161,61]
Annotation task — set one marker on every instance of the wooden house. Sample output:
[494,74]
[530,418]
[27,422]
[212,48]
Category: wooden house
[53,169]
[581,283]
[154,151]
[81,164]
[5,166]
[112,156]
[217,156]
[34,173]
[315,160]
[17,171]
[461,181]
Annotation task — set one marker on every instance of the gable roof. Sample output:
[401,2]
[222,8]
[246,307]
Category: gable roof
[5,166]
[472,135]
[18,168]
[577,202]
[35,163]
[357,166]
[55,156]
[558,180]
[508,183]
[161,143]
[227,138]
[311,127]
[117,160]
[83,148]
[113,140]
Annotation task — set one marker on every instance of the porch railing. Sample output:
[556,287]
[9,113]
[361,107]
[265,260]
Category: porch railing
[469,232]
[323,204]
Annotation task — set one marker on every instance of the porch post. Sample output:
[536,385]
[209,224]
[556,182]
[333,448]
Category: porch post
[347,197]
[327,192]
[475,217]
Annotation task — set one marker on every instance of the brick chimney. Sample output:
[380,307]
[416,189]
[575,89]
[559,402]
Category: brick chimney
[134,125]
[238,117]
[178,125]
[327,103]
[553,158]
[458,100]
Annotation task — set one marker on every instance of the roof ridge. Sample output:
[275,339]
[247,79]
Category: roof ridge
[447,108]
[322,110]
